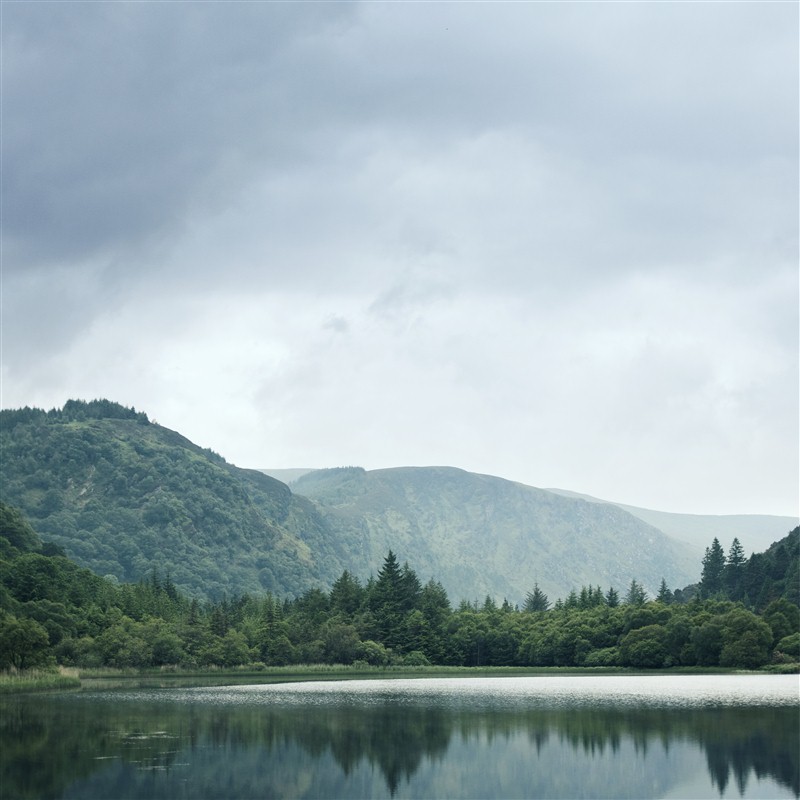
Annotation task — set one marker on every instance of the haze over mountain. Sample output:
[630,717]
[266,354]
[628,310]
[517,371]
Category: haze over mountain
[123,495]
[756,532]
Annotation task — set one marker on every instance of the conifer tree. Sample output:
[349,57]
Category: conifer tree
[536,600]
[712,577]
[636,595]
[734,571]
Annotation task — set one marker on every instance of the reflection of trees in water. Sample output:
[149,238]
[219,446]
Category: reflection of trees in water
[47,746]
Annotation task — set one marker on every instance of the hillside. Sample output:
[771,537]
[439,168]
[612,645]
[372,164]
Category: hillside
[756,532]
[485,535]
[123,495]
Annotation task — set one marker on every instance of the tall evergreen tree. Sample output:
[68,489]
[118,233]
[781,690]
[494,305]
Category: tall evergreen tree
[664,595]
[612,597]
[389,601]
[536,600]
[712,576]
[347,595]
[636,595]
[734,571]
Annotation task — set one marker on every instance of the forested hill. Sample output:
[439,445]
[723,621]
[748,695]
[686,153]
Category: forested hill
[493,536]
[122,495]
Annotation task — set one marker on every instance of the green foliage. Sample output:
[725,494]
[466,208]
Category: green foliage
[536,600]
[121,495]
[712,580]
[55,611]
[644,647]
[23,643]
[790,646]
[16,534]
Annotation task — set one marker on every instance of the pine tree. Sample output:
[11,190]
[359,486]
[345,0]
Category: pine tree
[389,601]
[712,577]
[734,571]
[536,600]
[636,595]
[347,595]
[612,597]
[664,594]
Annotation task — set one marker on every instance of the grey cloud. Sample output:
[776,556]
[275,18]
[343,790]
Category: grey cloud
[337,324]
[123,119]
[120,118]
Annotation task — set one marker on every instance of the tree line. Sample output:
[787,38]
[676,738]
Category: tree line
[53,611]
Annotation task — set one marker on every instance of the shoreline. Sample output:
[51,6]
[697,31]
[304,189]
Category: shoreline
[76,679]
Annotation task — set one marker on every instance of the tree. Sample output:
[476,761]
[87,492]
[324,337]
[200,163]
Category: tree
[612,597]
[664,594]
[536,600]
[746,640]
[636,595]
[734,571]
[783,618]
[347,595]
[23,643]
[644,647]
[390,595]
[712,577]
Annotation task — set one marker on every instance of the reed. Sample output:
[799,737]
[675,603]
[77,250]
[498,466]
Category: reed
[38,680]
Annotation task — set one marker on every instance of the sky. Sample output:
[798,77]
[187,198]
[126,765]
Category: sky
[553,242]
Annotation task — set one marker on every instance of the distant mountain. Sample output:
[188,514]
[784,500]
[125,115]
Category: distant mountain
[480,535]
[756,532]
[287,476]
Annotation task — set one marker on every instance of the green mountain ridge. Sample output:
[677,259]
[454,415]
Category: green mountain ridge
[491,535]
[124,496]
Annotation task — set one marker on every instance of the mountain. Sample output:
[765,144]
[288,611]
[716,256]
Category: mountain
[123,496]
[756,532]
[479,534]
[287,476]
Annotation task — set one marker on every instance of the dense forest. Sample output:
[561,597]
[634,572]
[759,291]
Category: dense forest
[743,613]
[120,493]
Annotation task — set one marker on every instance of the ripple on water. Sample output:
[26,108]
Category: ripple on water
[655,691]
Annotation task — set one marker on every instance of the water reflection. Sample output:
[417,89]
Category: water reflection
[152,745]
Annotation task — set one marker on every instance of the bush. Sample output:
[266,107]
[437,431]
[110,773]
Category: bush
[605,657]
[790,646]
[416,658]
[644,647]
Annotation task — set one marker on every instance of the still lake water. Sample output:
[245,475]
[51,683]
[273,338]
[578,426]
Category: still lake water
[659,736]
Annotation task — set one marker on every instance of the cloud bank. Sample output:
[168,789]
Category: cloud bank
[553,242]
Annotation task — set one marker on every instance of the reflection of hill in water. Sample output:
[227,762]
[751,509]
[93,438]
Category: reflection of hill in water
[78,748]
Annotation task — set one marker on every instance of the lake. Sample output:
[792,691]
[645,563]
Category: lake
[656,736]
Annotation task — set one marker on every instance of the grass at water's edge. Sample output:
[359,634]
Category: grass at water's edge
[35,680]
[74,678]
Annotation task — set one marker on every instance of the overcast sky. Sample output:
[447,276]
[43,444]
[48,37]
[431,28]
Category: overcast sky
[555,242]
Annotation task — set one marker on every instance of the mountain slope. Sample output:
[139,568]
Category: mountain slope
[481,535]
[122,495]
[756,532]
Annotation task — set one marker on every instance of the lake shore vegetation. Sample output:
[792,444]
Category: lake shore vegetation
[54,613]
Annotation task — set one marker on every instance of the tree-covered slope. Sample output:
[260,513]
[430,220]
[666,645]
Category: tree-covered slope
[122,495]
[481,535]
